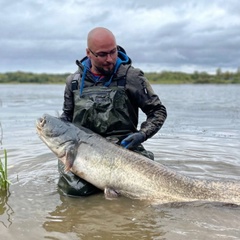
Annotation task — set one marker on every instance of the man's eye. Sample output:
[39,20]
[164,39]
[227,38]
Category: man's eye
[102,54]
[113,51]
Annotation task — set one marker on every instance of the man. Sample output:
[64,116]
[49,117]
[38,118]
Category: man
[105,95]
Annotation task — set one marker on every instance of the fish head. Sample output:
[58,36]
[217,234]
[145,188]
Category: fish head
[60,136]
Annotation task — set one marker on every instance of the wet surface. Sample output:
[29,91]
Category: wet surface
[201,138]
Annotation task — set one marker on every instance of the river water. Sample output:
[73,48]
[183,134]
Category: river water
[200,138]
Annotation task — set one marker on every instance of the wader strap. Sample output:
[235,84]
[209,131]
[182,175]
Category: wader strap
[122,82]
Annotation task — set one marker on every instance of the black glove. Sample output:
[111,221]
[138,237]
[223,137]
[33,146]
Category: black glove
[133,140]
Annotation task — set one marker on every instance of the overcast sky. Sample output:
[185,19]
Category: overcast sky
[172,35]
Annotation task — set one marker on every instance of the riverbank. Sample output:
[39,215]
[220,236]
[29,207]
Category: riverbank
[164,77]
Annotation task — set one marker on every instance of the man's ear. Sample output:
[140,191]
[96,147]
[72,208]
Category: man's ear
[88,53]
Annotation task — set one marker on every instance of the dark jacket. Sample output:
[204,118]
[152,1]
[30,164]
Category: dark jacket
[137,88]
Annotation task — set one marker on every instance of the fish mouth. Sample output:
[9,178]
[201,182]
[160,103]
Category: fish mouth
[43,132]
[40,122]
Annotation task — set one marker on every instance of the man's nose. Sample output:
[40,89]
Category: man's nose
[109,57]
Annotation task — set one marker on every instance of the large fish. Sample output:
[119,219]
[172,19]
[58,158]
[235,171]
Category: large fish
[122,172]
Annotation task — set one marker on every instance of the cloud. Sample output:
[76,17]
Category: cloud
[48,36]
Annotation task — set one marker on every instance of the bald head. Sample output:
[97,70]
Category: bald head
[102,51]
[101,38]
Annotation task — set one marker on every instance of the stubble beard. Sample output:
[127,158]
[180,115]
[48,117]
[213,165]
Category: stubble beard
[105,72]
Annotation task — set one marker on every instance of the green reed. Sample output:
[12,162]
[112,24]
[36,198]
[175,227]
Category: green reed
[4,183]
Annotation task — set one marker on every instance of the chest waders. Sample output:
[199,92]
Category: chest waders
[104,110]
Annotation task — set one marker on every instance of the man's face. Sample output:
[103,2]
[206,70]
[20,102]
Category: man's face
[103,58]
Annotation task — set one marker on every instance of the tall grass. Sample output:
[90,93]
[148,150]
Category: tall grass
[4,183]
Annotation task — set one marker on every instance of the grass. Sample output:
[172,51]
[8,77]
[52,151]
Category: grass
[4,183]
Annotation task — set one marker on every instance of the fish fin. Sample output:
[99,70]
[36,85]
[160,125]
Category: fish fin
[70,157]
[110,193]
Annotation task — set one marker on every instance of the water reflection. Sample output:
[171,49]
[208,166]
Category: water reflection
[94,217]
[201,138]
[6,212]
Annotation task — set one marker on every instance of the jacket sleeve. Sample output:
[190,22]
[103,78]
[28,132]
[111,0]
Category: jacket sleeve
[145,98]
[68,103]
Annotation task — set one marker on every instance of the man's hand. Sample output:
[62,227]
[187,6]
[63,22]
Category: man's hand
[133,140]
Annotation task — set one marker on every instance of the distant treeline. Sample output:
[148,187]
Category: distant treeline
[164,77]
[27,77]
